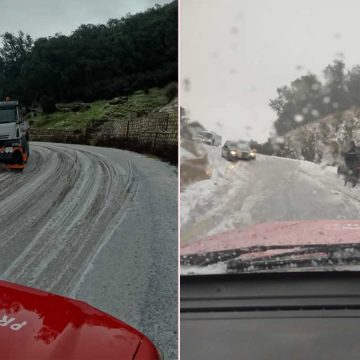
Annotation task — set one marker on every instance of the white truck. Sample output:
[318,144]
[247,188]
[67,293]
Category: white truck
[14,135]
[210,138]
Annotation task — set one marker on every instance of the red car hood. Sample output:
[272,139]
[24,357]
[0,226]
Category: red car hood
[38,325]
[279,233]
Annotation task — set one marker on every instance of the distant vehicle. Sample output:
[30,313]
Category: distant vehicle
[39,325]
[237,150]
[197,139]
[209,138]
[14,135]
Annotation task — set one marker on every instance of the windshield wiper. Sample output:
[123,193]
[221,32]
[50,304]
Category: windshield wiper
[270,258]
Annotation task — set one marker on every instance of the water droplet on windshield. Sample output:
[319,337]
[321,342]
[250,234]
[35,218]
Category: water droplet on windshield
[298,117]
[315,113]
[305,110]
[187,84]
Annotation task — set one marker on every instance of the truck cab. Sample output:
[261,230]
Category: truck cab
[14,135]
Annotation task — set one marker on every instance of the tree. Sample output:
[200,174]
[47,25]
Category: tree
[298,104]
[13,52]
[96,61]
[47,104]
[171,91]
[352,83]
[307,99]
[335,87]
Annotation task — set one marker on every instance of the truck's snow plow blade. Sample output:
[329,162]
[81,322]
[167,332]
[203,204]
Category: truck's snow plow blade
[14,158]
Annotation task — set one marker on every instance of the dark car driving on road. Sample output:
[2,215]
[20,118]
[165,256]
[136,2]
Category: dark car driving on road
[237,150]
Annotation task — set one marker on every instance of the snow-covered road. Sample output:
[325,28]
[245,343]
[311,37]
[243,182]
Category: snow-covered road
[266,190]
[99,225]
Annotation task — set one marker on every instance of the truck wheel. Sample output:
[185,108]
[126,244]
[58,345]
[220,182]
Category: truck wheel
[26,147]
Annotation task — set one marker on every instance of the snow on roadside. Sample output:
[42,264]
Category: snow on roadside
[204,203]
[201,192]
[327,176]
[218,268]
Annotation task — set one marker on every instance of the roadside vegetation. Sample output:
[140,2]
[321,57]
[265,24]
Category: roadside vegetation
[309,98]
[316,118]
[95,62]
[75,116]
[70,119]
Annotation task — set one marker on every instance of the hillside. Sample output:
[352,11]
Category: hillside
[323,140]
[76,116]
[146,122]
[94,62]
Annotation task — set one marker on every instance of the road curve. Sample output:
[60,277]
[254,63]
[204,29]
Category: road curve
[269,189]
[99,225]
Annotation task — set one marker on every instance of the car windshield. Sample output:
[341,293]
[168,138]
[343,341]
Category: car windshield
[282,83]
[243,145]
[7,115]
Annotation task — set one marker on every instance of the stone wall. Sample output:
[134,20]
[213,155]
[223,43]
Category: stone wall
[158,128]
[155,134]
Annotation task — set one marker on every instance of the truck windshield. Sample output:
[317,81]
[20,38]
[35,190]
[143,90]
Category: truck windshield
[7,115]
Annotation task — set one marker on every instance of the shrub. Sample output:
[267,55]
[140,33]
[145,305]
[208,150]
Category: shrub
[47,104]
[171,91]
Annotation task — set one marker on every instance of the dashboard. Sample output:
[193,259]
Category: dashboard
[298,315]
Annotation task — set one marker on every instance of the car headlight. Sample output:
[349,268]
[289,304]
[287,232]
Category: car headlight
[232,152]
[252,154]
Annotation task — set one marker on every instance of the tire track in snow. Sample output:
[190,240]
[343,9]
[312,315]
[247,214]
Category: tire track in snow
[55,215]
[272,189]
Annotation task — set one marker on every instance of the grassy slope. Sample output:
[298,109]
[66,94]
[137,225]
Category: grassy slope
[139,102]
[70,120]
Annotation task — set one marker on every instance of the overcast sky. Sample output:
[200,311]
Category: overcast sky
[48,17]
[235,54]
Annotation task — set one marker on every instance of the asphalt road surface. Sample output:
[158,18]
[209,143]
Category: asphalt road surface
[265,190]
[99,225]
